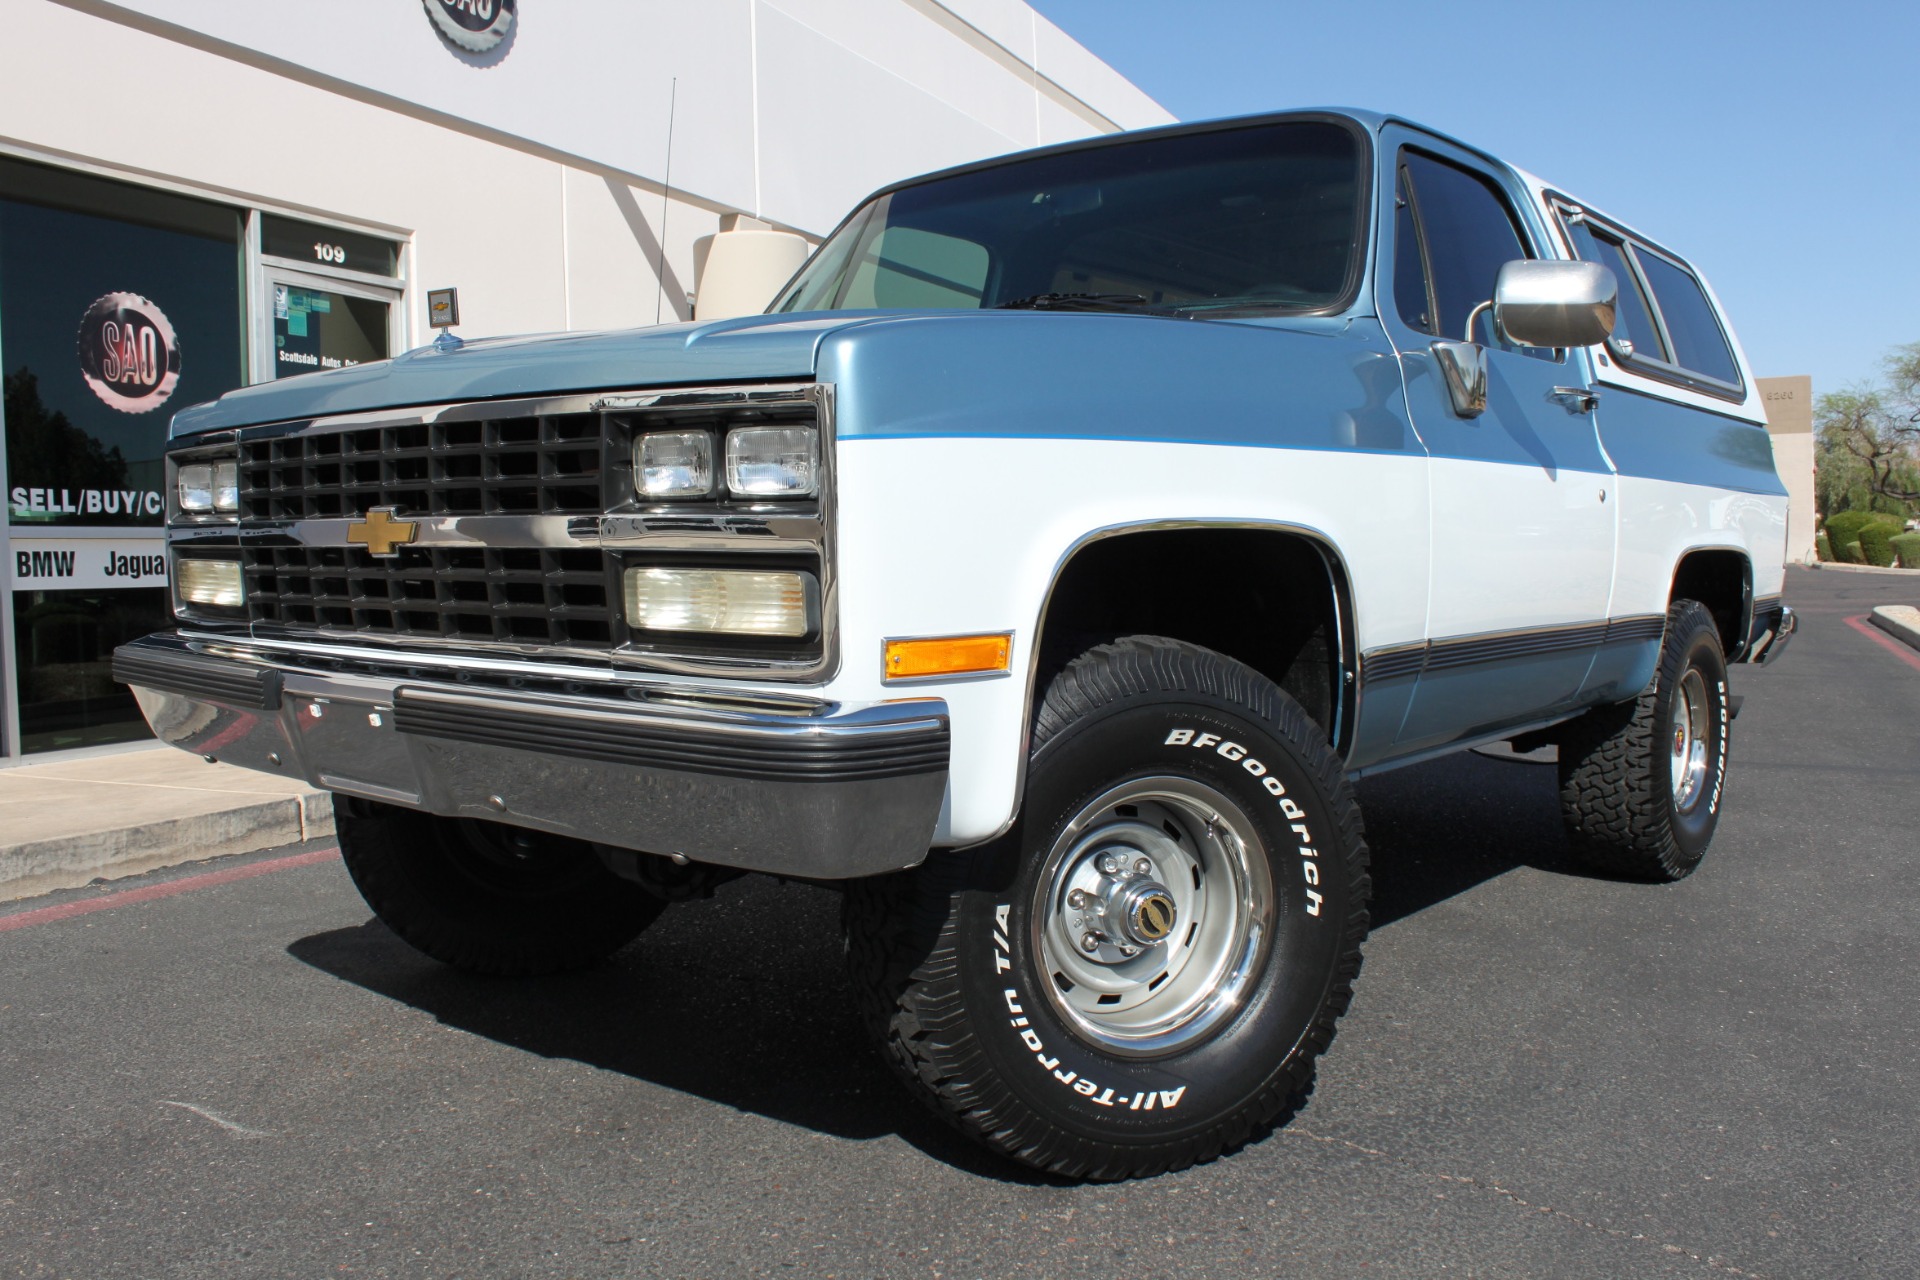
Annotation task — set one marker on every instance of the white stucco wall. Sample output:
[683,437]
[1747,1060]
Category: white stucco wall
[532,178]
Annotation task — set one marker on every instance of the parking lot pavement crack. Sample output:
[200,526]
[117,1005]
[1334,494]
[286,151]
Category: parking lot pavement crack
[233,1130]
[1720,1265]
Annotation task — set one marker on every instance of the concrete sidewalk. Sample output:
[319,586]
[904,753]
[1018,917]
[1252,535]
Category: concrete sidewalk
[1902,621]
[65,823]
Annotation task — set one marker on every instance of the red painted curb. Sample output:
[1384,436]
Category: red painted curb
[1885,641]
[187,884]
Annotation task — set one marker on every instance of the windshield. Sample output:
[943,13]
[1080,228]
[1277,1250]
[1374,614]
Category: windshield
[1260,217]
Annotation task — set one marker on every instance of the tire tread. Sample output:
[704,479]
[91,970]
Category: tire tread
[904,961]
[1613,799]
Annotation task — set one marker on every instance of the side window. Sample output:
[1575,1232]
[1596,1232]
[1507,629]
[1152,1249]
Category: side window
[1663,310]
[1699,345]
[1469,235]
[1411,296]
[1633,321]
[910,268]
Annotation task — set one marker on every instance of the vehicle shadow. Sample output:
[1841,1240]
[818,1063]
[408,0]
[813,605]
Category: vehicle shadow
[742,999]
[1437,830]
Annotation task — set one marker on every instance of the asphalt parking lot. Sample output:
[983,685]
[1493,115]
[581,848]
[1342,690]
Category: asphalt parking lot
[1544,1073]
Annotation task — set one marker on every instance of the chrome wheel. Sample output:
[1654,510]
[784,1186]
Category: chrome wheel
[1154,915]
[1690,732]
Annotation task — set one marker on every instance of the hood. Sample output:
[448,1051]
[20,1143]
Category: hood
[745,349]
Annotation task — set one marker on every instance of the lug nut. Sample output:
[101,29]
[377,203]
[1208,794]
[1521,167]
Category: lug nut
[1079,899]
[1089,942]
[1110,864]
[1143,866]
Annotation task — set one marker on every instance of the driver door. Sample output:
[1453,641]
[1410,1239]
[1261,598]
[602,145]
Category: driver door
[1522,511]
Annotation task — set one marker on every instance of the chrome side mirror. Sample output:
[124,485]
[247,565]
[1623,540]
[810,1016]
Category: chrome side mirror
[1554,304]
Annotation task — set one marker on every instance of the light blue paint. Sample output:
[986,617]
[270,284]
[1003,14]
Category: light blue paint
[754,348]
[983,374]
[1621,670]
[1659,440]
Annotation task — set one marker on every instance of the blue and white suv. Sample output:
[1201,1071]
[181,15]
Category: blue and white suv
[1042,568]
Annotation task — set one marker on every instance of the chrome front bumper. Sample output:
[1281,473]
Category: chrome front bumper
[823,792]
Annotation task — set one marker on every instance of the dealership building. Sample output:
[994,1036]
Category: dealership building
[200,194]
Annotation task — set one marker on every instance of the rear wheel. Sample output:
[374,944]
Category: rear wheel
[1140,975]
[1640,782]
[487,897]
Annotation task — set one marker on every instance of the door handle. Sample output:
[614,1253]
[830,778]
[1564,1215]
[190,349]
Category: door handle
[1575,399]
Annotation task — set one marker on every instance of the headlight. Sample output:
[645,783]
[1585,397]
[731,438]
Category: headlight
[209,582]
[226,486]
[733,601]
[196,487]
[209,486]
[673,464]
[773,462]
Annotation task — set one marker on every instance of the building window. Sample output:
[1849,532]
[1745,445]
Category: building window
[105,291]
[120,305]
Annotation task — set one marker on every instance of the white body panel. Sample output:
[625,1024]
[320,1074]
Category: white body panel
[953,536]
[1662,520]
[1497,525]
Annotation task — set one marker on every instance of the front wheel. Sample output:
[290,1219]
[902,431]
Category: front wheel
[1141,974]
[487,897]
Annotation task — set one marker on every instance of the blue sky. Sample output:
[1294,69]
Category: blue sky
[1775,144]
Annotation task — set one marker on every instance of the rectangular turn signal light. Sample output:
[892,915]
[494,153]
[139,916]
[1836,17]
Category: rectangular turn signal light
[949,656]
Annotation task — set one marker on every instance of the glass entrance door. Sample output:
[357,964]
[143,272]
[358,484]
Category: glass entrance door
[323,324]
[326,298]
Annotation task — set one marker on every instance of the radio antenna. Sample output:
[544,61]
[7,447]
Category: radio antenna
[666,194]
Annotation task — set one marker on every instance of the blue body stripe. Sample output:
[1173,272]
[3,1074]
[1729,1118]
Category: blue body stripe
[1658,440]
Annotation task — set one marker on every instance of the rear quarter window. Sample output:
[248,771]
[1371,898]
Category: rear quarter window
[1663,310]
[1699,345]
[1634,319]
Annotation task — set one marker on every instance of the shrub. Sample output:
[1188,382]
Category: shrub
[1845,526]
[1907,547]
[1822,545]
[1876,540]
[1850,553]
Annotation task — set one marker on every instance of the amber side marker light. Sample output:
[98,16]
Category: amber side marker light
[949,656]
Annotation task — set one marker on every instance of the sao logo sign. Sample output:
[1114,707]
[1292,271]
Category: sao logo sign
[129,354]
[477,26]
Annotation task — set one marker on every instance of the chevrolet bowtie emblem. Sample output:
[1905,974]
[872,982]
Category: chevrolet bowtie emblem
[381,534]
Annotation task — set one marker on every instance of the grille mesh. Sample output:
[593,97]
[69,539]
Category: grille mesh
[505,466]
[516,464]
[518,595]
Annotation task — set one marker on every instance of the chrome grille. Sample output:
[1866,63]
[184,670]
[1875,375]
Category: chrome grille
[546,465]
[527,520]
[517,595]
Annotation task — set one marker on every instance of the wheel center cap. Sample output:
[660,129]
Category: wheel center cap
[1148,914]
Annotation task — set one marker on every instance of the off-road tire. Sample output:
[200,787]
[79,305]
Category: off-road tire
[1617,791]
[947,957]
[485,897]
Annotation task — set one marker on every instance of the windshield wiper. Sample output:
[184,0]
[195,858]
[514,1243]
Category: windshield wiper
[1086,302]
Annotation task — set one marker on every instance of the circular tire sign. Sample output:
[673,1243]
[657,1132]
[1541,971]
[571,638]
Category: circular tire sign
[129,354]
[478,26]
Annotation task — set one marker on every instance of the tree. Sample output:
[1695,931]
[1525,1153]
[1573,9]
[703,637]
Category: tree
[1869,441]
